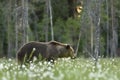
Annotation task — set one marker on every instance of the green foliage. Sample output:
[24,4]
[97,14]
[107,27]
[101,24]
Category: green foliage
[63,69]
[73,28]
[59,29]
[3,32]
[60,9]
[118,17]
[41,30]
[67,31]
[66,28]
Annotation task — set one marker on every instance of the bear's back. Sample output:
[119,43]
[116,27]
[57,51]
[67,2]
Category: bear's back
[37,48]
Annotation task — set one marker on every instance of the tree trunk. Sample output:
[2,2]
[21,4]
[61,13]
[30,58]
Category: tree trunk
[21,23]
[10,30]
[107,25]
[114,38]
[97,31]
[46,18]
[51,20]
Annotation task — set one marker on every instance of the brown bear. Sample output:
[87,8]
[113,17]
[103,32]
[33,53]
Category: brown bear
[47,50]
[118,52]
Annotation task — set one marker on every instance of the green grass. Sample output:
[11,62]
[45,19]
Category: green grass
[63,69]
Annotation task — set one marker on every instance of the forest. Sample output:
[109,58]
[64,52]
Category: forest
[92,27]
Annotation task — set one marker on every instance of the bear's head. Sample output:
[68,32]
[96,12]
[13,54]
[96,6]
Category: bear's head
[63,50]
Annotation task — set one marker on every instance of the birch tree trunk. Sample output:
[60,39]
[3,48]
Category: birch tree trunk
[10,30]
[21,23]
[51,20]
[94,19]
[114,38]
[25,20]
[16,27]
[46,18]
[108,30]
[97,29]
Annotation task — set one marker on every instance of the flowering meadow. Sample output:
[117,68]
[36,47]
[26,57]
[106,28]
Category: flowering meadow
[62,69]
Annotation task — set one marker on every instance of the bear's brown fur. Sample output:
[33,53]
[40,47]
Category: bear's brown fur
[47,50]
[118,52]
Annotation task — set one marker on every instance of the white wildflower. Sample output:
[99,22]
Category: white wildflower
[45,62]
[48,73]
[1,66]
[23,66]
[34,59]
[49,68]
[9,60]
[34,49]
[113,59]
[99,66]
[4,78]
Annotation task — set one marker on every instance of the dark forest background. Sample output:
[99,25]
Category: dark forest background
[92,27]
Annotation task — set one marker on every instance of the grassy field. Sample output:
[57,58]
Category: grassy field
[63,69]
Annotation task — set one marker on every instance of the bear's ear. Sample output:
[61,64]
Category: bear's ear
[67,46]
